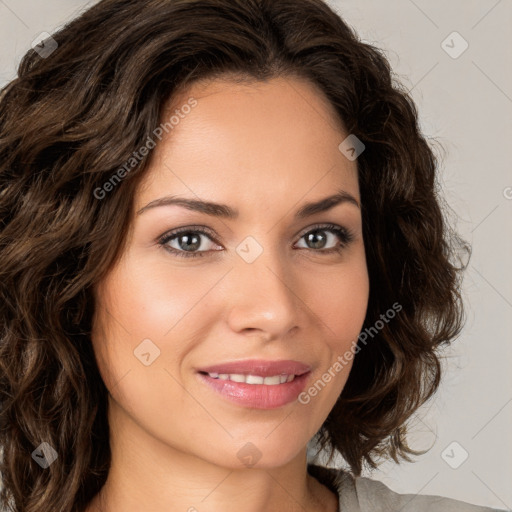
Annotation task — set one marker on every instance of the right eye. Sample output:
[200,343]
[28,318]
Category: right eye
[188,240]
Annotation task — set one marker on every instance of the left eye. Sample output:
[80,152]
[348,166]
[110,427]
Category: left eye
[189,240]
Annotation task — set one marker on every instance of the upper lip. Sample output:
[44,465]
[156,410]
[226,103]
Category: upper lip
[262,367]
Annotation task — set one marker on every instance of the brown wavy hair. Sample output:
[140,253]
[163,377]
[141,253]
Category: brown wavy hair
[71,119]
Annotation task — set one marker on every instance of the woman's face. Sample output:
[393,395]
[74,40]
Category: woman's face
[259,287]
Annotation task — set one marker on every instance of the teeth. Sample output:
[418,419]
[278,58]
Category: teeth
[253,379]
[237,378]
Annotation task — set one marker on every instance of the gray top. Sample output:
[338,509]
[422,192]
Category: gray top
[361,494]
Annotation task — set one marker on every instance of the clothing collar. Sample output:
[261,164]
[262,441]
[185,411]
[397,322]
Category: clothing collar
[340,482]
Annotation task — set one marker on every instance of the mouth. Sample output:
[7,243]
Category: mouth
[257,384]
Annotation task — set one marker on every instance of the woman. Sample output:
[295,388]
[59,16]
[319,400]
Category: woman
[221,236]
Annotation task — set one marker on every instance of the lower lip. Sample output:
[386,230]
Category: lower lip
[258,396]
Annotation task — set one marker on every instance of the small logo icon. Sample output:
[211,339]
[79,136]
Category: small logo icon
[351,147]
[146,352]
[249,249]
[249,454]
[454,455]
[44,44]
[44,455]
[454,45]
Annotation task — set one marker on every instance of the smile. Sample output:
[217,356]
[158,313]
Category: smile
[256,383]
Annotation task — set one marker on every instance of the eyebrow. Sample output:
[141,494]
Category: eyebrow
[225,211]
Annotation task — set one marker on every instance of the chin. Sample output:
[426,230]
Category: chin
[258,452]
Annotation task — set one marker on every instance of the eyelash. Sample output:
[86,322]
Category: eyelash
[345,235]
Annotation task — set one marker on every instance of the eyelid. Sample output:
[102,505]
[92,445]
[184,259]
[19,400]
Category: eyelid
[210,232]
[185,229]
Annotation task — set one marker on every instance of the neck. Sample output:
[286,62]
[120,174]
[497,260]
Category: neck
[148,474]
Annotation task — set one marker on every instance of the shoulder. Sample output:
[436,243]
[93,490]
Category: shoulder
[371,491]
[362,494]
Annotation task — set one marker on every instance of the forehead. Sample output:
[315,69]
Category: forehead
[264,138]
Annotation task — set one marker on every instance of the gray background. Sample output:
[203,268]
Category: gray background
[465,103]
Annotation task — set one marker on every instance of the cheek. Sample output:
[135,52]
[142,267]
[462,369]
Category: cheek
[343,308]
[342,300]
[136,360]
[147,300]
[144,308]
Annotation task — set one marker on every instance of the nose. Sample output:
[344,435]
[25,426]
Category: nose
[264,296]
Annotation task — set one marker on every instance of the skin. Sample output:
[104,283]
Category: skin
[266,149]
